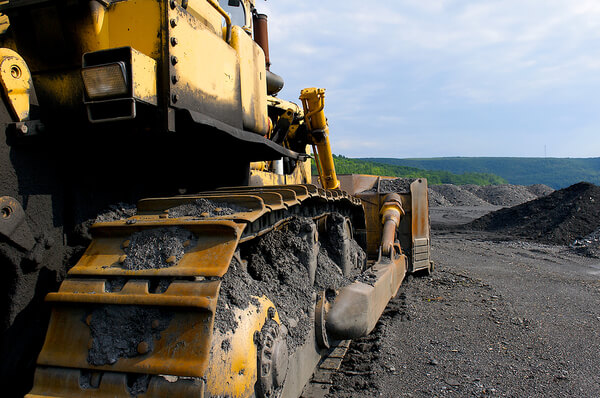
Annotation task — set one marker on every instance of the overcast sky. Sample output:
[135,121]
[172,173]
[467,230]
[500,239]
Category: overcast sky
[427,78]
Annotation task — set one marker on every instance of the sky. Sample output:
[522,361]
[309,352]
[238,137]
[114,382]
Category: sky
[430,78]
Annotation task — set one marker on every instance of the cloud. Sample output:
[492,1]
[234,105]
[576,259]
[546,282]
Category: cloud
[405,61]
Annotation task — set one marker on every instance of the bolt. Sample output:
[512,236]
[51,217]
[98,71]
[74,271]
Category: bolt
[184,3]
[173,22]
[173,4]
[15,71]
[204,214]
[174,41]
[122,258]
[175,98]
[126,244]
[23,128]
[174,60]
[174,79]
[143,348]
[88,320]
[6,212]
[171,259]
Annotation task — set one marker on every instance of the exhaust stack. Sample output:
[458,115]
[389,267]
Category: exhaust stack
[261,37]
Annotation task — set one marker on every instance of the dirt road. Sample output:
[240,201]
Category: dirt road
[497,318]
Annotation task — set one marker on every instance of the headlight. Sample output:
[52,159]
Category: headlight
[105,81]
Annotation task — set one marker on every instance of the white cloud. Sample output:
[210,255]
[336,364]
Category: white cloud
[406,59]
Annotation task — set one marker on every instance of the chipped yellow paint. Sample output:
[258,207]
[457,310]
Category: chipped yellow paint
[233,359]
[143,70]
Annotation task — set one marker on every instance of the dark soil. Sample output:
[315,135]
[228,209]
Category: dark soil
[497,318]
[158,248]
[205,208]
[118,330]
[559,218]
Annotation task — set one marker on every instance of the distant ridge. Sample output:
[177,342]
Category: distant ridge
[344,165]
[555,172]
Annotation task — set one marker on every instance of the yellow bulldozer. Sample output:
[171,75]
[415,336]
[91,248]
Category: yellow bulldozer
[160,233]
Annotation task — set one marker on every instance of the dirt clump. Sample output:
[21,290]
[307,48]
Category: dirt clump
[588,245]
[119,331]
[559,218]
[400,185]
[120,211]
[275,265]
[205,208]
[158,248]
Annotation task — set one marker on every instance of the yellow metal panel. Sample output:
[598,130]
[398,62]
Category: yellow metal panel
[252,81]
[232,372]
[205,14]
[205,69]
[143,69]
[135,23]
[15,80]
[217,241]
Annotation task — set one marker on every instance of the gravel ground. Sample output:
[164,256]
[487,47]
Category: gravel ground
[496,318]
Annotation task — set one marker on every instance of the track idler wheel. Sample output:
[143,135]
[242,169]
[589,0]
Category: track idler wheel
[273,359]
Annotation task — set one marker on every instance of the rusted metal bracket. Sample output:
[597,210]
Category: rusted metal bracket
[13,225]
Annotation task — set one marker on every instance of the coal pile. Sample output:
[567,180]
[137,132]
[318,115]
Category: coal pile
[506,195]
[560,218]
[501,195]
[457,196]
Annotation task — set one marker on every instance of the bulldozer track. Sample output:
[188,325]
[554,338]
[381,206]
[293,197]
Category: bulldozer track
[180,292]
[322,379]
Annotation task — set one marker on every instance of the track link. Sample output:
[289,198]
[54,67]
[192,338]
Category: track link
[176,300]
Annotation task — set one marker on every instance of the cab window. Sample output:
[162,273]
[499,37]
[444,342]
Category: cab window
[236,11]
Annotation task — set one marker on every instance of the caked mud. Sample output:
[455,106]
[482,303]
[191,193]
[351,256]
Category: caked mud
[277,266]
[158,248]
[205,208]
[123,331]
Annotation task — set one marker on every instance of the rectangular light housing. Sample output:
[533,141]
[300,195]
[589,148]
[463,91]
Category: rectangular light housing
[105,81]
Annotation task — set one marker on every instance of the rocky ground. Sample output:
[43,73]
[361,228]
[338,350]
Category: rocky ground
[502,315]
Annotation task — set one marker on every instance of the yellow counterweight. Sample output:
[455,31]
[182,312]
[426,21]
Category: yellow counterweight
[313,101]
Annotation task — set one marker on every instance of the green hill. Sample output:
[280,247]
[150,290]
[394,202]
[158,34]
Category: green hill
[345,165]
[555,172]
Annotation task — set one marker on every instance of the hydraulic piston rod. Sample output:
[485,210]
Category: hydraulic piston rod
[313,101]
